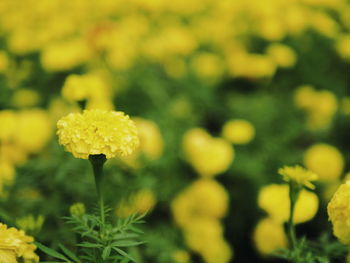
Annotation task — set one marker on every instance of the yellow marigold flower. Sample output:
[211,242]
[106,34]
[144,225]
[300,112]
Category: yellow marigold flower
[304,96]
[208,65]
[325,160]
[218,252]
[65,55]
[33,130]
[15,246]
[343,46]
[89,87]
[339,213]
[77,209]
[8,124]
[92,132]
[209,156]
[269,236]
[181,256]
[141,202]
[283,55]
[25,98]
[238,131]
[204,198]
[298,175]
[274,199]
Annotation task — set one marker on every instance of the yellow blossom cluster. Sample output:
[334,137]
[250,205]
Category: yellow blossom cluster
[320,106]
[197,211]
[72,34]
[209,156]
[15,246]
[339,213]
[143,201]
[89,88]
[151,143]
[22,133]
[238,131]
[96,132]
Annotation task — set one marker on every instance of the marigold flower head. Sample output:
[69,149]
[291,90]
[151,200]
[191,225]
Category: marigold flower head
[339,213]
[93,132]
[274,199]
[238,131]
[298,175]
[268,236]
[16,246]
[325,160]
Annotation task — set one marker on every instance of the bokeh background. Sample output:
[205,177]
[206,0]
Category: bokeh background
[223,93]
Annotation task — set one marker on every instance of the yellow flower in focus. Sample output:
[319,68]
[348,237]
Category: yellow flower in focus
[65,55]
[25,98]
[298,175]
[325,160]
[274,200]
[204,198]
[4,61]
[209,156]
[282,55]
[141,202]
[15,246]
[33,130]
[339,213]
[8,124]
[269,236]
[93,132]
[238,131]
[89,87]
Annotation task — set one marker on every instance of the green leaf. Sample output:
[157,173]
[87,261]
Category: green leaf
[123,253]
[126,243]
[89,245]
[50,251]
[106,252]
[69,253]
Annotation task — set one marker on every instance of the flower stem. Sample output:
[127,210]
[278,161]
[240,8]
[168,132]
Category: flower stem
[97,162]
[293,196]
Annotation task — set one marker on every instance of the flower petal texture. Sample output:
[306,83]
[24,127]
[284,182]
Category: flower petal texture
[92,132]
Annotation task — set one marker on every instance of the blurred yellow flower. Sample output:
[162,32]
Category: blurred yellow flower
[208,65]
[343,46]
[298,175]
[181,256]
[282,55]
[8,124]
[238,131]
[15,246]
[339,213]
[209,156]
[25,98]
[4,61]
[30,223]
[325,160]
[274,200]
[7,175]
[140,202]
[92,132]
[77,209]
[269,236]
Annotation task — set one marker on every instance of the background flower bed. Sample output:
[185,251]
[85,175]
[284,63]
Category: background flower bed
[181,65]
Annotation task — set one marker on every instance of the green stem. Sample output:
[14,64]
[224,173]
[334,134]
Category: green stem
[97,162]
[293,196]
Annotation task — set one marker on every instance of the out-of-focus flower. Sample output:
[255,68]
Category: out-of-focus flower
[4,61]
[141,202]
[238,131]
[269,236]
[7,175]
[209,156]
[282,55]
[77,209]
[65,55]
[325,160]
[208,65]
[8,124]
[343,46]
[181,256]
[274,200]
[96,131]
[25,98]
[298,175]
[204,198]
[15,246]
[339,213]
[30,224]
